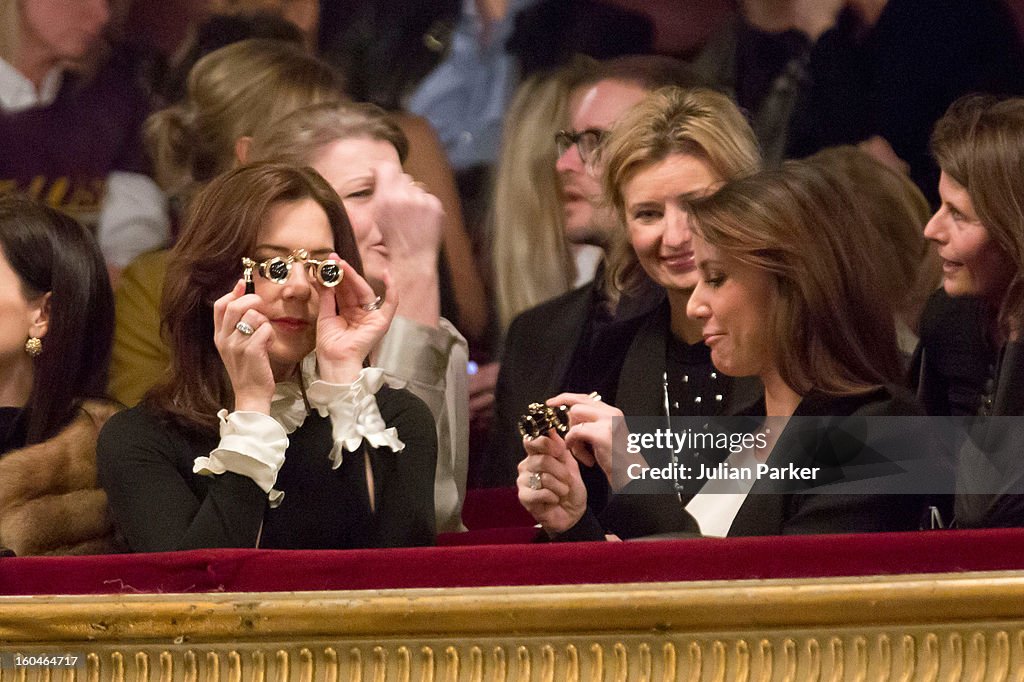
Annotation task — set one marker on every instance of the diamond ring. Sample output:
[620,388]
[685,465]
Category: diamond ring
[373,305]
[535,481]
[244,328]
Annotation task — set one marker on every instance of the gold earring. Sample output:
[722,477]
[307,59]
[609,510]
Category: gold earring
[34,346]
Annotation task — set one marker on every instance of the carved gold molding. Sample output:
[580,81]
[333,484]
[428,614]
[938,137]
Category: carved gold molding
[902,628]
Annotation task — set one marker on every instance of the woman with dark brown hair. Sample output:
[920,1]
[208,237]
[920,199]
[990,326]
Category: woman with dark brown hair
[979,232]
[270,322]
[788,292]
[56,325]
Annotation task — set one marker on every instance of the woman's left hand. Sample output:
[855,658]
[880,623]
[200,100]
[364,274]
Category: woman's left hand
[346,330]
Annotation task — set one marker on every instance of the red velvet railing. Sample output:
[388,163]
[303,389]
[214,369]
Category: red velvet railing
[496,518]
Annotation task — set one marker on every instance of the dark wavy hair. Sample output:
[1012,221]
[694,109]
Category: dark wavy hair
[52,253]
[221,227]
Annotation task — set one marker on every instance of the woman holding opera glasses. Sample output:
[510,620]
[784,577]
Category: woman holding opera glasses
[675,145]
[789,293]
[979,231]
[271,431]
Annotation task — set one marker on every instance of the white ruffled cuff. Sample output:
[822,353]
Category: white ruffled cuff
[354,413]
[251,445]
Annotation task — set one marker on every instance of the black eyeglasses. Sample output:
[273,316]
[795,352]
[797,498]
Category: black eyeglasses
[586,141]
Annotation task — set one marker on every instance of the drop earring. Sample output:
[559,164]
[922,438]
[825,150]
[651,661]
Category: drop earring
[33,346]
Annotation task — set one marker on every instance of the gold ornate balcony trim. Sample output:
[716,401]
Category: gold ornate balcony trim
[519,611]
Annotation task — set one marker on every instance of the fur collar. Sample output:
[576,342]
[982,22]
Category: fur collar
[49,499]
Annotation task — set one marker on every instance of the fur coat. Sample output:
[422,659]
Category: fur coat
[50,502]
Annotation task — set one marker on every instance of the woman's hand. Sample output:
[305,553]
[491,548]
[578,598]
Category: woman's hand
[410,221]
[245,356]
[348,326]
[557,498]
[597,434]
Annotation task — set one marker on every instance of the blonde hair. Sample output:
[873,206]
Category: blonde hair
[897,212]
[979,142]
[693,121]
[832,323]
[530,257]
[301,135]
[232,93]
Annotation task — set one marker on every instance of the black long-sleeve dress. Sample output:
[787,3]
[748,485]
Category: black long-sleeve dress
[145,464]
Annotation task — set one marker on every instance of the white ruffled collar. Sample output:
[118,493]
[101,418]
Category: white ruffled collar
[352,408]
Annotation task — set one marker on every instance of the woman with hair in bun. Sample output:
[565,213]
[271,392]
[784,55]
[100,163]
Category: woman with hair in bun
[56,323]
[271,431]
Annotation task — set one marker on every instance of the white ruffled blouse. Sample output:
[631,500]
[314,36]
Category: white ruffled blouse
[253,444]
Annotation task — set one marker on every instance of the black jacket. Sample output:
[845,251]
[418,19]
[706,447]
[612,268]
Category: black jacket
[781,508]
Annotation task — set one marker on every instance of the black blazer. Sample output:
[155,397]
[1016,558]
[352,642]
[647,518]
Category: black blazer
[539,347]
[542,345]
[990,468]
[772,508]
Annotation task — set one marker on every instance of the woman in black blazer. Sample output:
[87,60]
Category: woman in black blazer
[979,231]
[789,293]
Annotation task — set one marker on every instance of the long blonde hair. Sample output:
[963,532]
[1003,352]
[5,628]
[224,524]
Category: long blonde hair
[232,93]
[530,257]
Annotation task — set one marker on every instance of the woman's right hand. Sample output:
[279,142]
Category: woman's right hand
[246,357]
[561,500]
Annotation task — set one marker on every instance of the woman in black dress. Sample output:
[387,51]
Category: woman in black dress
[270,430]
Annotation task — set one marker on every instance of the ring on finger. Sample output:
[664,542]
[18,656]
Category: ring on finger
[244,328]
[373,305]
[535,482]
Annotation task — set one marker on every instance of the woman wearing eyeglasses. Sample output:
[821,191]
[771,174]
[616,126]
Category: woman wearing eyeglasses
[271,431]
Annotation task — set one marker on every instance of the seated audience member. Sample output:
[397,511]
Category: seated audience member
[979,146]
[313,449]
[232,92]
[548,345]
[57,314]
[675,145]
[359,150]
[463,299]
[71,122]
[874,72]
[787,293]
[897,212]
